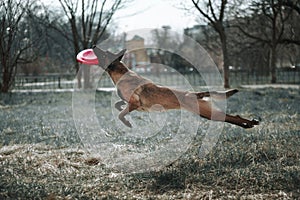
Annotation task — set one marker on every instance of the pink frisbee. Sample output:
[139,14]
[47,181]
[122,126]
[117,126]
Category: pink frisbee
[87,57]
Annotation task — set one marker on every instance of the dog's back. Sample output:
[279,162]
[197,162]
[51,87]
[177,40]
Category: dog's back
[143,95]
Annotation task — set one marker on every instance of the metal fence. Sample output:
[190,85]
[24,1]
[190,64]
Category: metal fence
[244,77]
[49,81]
[236,77]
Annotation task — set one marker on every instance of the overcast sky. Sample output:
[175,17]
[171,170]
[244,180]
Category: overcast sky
[141,14]
[154,14]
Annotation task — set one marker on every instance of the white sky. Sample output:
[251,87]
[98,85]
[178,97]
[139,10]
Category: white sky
[141,14]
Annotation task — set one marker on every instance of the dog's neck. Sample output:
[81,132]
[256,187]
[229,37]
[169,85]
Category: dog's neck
[116,70]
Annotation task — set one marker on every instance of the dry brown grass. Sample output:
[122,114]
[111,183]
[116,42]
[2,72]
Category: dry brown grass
[260,163]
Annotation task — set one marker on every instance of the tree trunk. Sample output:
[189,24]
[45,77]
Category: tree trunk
[5,82]
[79,76]
[86,76]
[225,58]
[6,79]
[76,49]
[273,64]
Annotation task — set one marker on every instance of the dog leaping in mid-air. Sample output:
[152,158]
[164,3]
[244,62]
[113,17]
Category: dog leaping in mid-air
[141,94]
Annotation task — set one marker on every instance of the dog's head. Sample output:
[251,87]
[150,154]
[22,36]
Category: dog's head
[106,58]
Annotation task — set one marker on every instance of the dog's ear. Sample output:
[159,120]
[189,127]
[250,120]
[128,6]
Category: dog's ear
[105,58]
[115,57]
[102,57]
[121,54]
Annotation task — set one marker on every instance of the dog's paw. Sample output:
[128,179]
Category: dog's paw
[127,123]
[250,124]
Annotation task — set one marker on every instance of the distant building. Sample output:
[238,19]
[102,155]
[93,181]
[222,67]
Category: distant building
[138,55]
[207,37]
[196,32]
[200,32]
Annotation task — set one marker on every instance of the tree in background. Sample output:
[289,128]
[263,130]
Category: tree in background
[19,39]
[214,13]
[270,24]
[293,4]
[88,21]
[292,40]
[163,39]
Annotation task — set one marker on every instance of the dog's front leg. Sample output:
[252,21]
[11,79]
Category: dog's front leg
[119,104]
[122,116]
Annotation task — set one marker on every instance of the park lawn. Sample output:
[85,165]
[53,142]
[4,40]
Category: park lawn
[41,155]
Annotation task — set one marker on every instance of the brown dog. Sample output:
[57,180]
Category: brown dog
[139,93]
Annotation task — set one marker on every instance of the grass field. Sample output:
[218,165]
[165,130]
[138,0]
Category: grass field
[41,153]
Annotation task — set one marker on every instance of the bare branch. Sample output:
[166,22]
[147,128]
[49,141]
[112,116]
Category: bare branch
[210,6]
[202,12]
[295,5]
[222,10]
[289,41]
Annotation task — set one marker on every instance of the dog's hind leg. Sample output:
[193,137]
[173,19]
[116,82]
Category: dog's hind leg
[205,109]
[237,120]
[213,113]
[216,94]
[217,115]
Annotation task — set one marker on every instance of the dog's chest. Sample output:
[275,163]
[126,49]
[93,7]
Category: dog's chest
[130,84]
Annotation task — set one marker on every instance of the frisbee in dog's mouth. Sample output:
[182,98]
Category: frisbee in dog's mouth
[87,57]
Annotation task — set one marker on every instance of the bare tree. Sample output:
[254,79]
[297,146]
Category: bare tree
[88,20]
[164,39]
[17,44]
[293,4]
[268,25]
[214,13]
[293,38]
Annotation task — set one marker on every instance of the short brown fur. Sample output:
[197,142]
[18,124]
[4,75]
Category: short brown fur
[139,93]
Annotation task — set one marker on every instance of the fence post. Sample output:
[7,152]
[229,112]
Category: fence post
[59,87]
